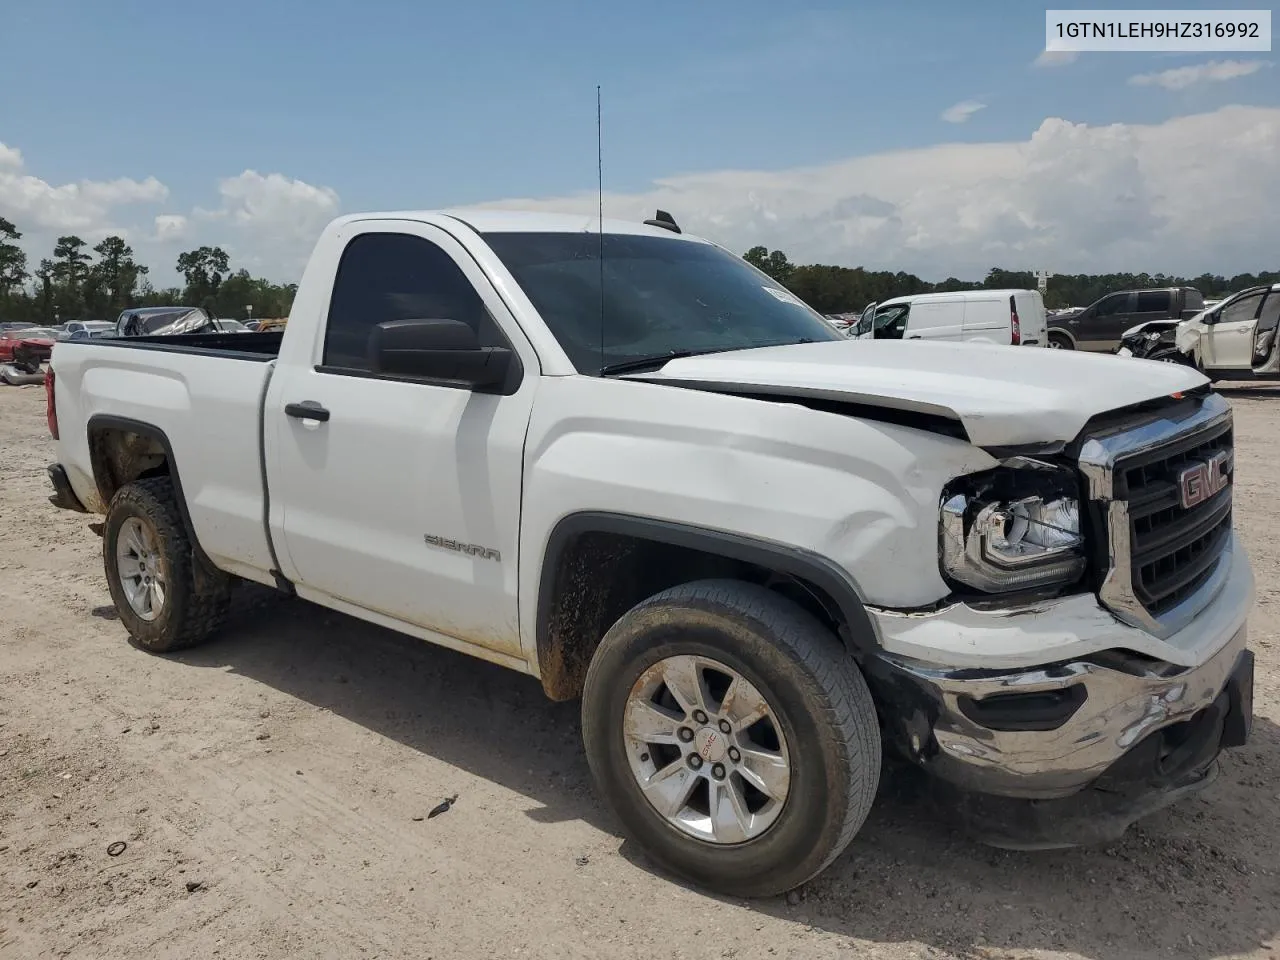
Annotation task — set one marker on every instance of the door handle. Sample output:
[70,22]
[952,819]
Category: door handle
[307,410]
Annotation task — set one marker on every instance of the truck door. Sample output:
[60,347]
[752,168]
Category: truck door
[397,496]
[1228,342]
[1100,326]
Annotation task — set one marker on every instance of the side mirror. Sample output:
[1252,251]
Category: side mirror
[437,350]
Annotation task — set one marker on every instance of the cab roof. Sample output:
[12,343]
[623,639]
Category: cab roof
[523,221]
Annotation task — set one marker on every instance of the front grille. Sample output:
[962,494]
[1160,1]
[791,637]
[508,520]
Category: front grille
[1173,550]
[1160,553]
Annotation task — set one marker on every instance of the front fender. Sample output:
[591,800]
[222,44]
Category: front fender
[861,493]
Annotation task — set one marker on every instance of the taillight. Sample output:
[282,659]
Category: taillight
[1014,325]
[50,408]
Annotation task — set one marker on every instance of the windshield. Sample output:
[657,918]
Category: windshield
[660,297]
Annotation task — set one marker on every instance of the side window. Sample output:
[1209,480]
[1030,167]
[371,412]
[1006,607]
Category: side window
[891,324]
[1242,309]
[1195,300]
[396,276]
[1154,301]
[1117,303]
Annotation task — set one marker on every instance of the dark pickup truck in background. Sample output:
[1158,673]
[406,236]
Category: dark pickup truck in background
[1099,326]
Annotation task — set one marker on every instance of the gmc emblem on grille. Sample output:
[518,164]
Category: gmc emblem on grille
[1200,481]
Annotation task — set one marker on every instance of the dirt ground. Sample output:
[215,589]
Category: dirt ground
[270,791]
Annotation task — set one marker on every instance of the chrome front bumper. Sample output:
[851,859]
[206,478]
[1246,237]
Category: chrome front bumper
[1008,725]
[1110,711]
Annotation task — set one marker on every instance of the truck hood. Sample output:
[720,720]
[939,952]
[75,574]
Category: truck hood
[1003,396]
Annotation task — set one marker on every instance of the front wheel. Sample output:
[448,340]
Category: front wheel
[733,735]
[1059,342]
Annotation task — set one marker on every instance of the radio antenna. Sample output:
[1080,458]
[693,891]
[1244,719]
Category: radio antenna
[600,213]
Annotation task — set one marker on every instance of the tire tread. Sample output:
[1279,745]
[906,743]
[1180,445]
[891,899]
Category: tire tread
[207,594]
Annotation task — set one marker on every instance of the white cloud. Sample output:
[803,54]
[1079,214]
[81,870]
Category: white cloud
[86,207]
[962,111]
[267,223]
[10,158]
[170,226]
[1056,58]
[1215,71]
[1191,194]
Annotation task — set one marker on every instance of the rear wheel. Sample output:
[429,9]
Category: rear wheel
[733,735]
[1058,341]
[166,597]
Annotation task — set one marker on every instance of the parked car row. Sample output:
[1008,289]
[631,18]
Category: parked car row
[25,349]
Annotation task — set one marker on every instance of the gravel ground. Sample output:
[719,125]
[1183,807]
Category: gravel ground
[267,794]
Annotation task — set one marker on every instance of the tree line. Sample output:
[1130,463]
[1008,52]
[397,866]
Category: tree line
[830,289]
[79,282]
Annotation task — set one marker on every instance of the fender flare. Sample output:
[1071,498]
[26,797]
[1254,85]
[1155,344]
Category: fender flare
[859,636]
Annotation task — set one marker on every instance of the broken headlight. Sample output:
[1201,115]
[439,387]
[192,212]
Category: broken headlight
[1013,529]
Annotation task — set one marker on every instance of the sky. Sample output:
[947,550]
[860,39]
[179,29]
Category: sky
[931,137]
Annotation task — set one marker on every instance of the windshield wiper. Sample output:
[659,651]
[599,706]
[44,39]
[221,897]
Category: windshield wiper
[656,360]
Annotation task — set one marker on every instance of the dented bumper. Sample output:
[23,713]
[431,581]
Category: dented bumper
[1084,743]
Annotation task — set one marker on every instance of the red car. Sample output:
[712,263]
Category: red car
[27,348]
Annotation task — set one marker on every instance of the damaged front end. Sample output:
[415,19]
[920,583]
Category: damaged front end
[1091,663]
[1153,341]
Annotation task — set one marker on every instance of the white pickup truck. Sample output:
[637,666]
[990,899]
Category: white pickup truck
[618,458]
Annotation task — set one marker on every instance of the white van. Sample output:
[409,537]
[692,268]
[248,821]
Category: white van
[1010,317]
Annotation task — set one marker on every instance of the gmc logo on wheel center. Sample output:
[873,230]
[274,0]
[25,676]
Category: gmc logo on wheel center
[1200,481]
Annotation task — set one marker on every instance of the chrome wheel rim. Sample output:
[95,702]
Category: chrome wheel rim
[140,569]
[707,750]
[1054,345]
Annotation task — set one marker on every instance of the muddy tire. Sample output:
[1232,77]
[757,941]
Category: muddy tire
[733,735]
[166,597]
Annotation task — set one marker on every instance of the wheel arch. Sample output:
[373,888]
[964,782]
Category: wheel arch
[1062,332]
[118,460]
[596,565]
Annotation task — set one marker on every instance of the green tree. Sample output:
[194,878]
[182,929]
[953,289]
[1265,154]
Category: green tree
[204,270]
[70,269]
[774,263]
[115,275]
[44,275]
[13,261]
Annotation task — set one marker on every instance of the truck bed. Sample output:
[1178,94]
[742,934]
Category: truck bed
[239,346]
[199,397]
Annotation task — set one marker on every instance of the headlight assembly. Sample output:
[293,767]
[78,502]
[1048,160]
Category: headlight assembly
[1013,529]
